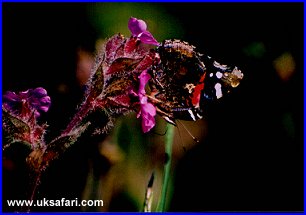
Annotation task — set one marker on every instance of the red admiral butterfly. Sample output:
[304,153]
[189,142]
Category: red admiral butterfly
[184,79]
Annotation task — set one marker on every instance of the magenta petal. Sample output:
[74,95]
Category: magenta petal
[46,100]
[39,92]
[44,104]
[144,77]
[143,99]
[136,26]
[147,124]
[37,114]
[26,102]
[10,96]
[147,37]
[44,108]
[148,111]
[25,94]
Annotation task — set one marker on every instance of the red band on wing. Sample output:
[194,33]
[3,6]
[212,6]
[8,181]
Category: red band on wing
[196,95]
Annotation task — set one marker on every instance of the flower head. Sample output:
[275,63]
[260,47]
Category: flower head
[147,110]
[138,29]
[25,102]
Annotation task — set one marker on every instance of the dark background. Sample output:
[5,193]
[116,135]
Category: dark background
[252,158]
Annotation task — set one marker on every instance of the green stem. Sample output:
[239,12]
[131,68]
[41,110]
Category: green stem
[167,168]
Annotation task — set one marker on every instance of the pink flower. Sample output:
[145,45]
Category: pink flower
[147,110]
[138,29]
[27,102]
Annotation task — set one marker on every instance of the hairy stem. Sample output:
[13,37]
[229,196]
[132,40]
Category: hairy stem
[33,191]
[78,117]
[57,147]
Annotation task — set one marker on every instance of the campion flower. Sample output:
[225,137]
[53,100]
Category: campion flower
[147,110]
[20,112]
[138,29]
[26,102]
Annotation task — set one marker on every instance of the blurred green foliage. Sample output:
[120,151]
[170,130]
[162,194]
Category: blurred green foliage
[111,18]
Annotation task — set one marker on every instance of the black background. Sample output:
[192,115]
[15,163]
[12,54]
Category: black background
[248,161]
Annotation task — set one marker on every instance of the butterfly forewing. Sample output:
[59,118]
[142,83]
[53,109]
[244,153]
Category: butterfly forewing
[220,79]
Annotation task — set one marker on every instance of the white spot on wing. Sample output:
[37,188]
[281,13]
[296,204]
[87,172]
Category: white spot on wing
[211,75]
[192,115]
[220,66]
[169,120]
[219,75]
[218,87]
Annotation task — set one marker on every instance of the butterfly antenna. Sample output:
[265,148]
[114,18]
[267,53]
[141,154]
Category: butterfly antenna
[181,142]
[193,137]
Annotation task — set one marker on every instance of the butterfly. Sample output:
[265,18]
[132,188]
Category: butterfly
[184,79]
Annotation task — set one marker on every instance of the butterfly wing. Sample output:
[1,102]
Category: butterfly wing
[220,79]
[184,79]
